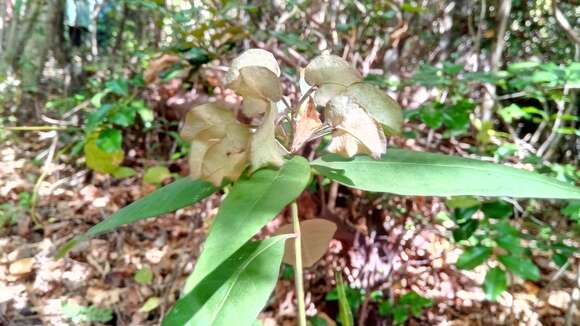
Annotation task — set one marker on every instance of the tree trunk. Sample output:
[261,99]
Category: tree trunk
[32,59]
[488,103]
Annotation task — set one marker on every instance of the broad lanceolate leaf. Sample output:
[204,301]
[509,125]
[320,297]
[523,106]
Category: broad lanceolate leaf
[235,292]
[344,312]
[473,257]
[495,283]
[316,235]
[521,266]
[412,173]
[249,205]
[179,194]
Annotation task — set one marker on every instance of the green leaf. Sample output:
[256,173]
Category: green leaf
[572,210]
[415,302]
[144,276]
[179,194]
[250,204]
[400,314]
[150,304]
[236,290]
[497,209]
[124,172]
[118,87]
[473,257]
[78,313]
[124,117]
[431,116]
[522,267]
[465,230]
[385,308]
[519,66]
[110,140]
[412,173]
[510,243]
[344,312]
[560,259]
[156,174]
[495,283]
[462,202]
[99,160]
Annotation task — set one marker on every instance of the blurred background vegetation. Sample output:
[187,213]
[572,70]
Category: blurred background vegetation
[92,93]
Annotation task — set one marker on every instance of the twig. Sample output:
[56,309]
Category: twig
[45,169]
[298,272]
[332,194]
[554,133]
[563,22]
[574,296]
[39,128]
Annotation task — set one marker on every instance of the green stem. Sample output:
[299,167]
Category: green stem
[298,273]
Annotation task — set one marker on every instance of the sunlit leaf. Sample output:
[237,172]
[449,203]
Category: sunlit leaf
[495,283]
[179,194]
[110,140]
[412,173]
[124,172]
[151,304]
[473,257]
[250,204]
[156,174]
[98,159]
[235,291]
[144,276]
[521,266]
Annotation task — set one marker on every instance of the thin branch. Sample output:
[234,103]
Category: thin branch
[563,22]
[298,272]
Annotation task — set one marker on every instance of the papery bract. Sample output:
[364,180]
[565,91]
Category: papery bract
[330,69]
[219,143]
[355,132]
[265,149]
[378,104]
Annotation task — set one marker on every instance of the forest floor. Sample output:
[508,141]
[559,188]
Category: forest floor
[403,256]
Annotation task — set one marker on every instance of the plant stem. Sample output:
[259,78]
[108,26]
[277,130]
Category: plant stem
[298,272]
[39,128]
